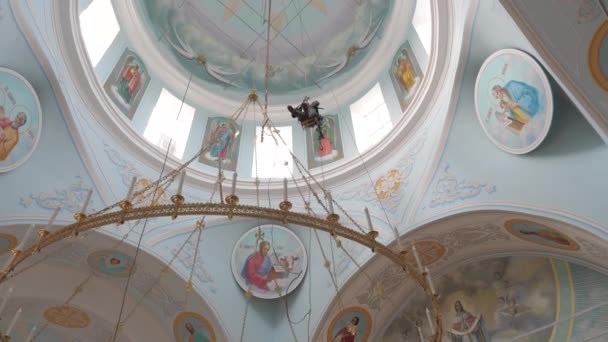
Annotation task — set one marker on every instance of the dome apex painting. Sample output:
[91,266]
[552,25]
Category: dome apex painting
[223,43]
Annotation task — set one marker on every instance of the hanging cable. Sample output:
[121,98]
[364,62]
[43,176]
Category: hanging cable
[137,249]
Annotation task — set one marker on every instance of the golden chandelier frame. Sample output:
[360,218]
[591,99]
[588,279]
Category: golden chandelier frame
[230,209]
[126,210]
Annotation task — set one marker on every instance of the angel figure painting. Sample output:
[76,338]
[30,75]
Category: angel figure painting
[127,82]
[405,75]
[221,143]
[325,147]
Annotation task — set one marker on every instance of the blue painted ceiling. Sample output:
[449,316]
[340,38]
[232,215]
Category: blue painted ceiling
[224,42]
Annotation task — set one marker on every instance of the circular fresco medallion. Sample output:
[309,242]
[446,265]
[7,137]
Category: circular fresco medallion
[598,56]
[20,120]
[429,252]
[7,242]
[513,100]
[190,326]
[351,324]
[269,261]
[67,317]
[540,234]
[110,263]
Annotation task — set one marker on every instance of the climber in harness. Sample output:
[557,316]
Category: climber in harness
[308,115]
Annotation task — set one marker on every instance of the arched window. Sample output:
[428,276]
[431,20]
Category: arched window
[99,27]
[164,124]
[273,159]
[371,119]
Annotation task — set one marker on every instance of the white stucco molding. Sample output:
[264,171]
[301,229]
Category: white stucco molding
[467,20]
[108,118]
[22,12]
[598,121]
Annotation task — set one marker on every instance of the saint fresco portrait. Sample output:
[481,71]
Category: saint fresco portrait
[405,75]
[540,234]
[352,324]
[20,120]
[192,327]
[325,149]
[222,139]
[127,82]
[269,261]
[495,299]
[110,263]
[513,101]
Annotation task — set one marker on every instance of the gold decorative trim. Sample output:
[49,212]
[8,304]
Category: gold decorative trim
[352,309]
[183,315]
[557,298]
[600,36]
[572,245]
[12,242]
[423,247]
[67,316]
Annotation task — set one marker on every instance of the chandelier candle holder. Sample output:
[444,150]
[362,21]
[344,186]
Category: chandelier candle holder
[332,217]
[373,235]
[369,219]
[232,200]
[285,205]
[420,335]
[427,274]
[46,231]
[5,337]
[82,214]
[126,204]
[417,258]
[30,336]
[178,199]
[8,294]
[428,317]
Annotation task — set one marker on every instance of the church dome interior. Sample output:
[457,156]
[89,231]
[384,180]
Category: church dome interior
[303,170]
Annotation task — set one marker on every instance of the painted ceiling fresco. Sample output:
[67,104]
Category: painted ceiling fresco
[224,42]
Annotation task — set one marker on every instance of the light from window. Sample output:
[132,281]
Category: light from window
[423,24]
[371,120]
[99,27]
[272,156]
[165,126]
